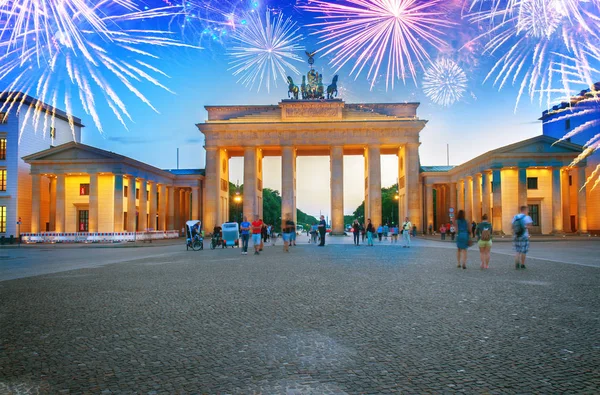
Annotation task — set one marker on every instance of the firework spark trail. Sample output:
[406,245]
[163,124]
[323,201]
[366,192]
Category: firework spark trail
[381,34]
[444,82]
[265,50]
[41,40]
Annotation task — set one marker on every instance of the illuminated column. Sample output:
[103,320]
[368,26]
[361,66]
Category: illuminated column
[566,201]
[250,183]
[429,199]
[453,197]
[60,203]
[143,206]
[171,209]
[36,200]
[216,195]
[118,203]
[461,195]
[581,201]
[163,208]
[374,181]
[469,199]
[522,188]
[413,186]
[557,217]
[477,198]
[195,203]
[497,201]
[485,194]
[187,195]
[288,182]
[53,204]
[131,204]
[153,206]
[93,204]
[337,190]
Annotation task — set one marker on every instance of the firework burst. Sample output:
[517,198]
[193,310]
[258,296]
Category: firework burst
[387,36]
[265,49]
[444,82]
[58,49]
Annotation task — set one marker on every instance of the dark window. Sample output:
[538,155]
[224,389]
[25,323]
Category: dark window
[3,149]
[534,213]
[125,189]
[84,219]
[568,124]
[2,219]
[570,180]
[52,132]
[532,183]
[3,180]
[137,193]
[84,189]
[3,117]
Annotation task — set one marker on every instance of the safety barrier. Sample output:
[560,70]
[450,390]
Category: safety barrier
[101,237]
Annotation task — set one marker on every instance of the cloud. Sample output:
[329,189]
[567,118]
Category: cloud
[129,140]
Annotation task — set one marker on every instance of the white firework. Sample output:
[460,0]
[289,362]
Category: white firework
[444,82]
[266,49]
[539,19]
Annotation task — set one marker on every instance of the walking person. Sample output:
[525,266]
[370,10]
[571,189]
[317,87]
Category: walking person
[263,236]
[386,230]
[406,229]
[245,228]
[356,232]
[520,226]
[273,235]
[363,232]
[443,231]
[322,230]
[473,228]
[462,239]
[452,231]
[293,236]
[288,227]
[394,234]
[380,232]
[257,225]
[484,232]
[370,232]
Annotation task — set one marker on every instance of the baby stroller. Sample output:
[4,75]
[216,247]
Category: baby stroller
[194,236]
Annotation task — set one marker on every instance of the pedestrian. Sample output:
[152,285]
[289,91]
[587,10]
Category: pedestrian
[386,230]
[380,232]
[356,232]
[245,228]
[443,231]
[414,231]
[452,231]
[463,239]
[363,232]
[394,233]
[406,228]
[520,226]
[256,233]
[430,229]
[370,232]
[473,228]
[484,240]
[322,230]
[293,236]
[273,235]
[288,227]
[263,236]
[314,229]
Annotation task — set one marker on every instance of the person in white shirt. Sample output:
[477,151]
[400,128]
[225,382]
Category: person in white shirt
[520,224]
[406,228]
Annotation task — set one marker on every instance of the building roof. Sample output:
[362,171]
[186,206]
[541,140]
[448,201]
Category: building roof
[19,97]
[436,168]
[187,172]
[584,97]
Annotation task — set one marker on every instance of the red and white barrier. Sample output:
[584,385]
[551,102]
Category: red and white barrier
[100,237]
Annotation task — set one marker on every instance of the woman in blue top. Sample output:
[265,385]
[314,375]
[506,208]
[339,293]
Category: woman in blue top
[462,239]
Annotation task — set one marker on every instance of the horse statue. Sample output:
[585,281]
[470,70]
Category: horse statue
[303,88]
[292,88]
[331,89]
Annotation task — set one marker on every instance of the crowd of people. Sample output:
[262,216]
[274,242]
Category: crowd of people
[383,232]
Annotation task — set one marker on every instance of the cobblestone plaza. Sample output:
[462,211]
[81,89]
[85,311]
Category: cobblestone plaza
[340,319]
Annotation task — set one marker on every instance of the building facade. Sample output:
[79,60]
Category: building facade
[26,126]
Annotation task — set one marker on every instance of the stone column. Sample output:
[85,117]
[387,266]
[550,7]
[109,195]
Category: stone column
[288,184]
[453,197]
[195,202]
[429,209]
[180,199]
[153,206]
[412,185]
[497,200]
[469,199]
[337,190]
[170,221]
[118,203]
[522,188]
[188,207]
[36,202]
[162,207]
[461,195]
[212,196]
[250,183]
[485,194]
[477,198]
[566,201]
[52,218]
[557,217]
[374,158]
[131,206]
[582,227]
[61,201]
[143,206]
[93,204]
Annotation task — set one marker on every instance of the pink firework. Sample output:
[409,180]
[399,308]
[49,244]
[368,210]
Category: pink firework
[388,36]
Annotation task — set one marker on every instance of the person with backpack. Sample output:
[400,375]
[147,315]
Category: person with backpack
[484,241]
[520,225]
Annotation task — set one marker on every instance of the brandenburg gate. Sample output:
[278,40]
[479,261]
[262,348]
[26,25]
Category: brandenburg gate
[312,127]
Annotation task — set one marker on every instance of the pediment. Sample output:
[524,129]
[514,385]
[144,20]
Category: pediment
[72,152]
[541,145]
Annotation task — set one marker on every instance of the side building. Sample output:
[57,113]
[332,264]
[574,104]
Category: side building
[26,126]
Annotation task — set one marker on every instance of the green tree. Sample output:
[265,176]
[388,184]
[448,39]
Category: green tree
[389,207]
